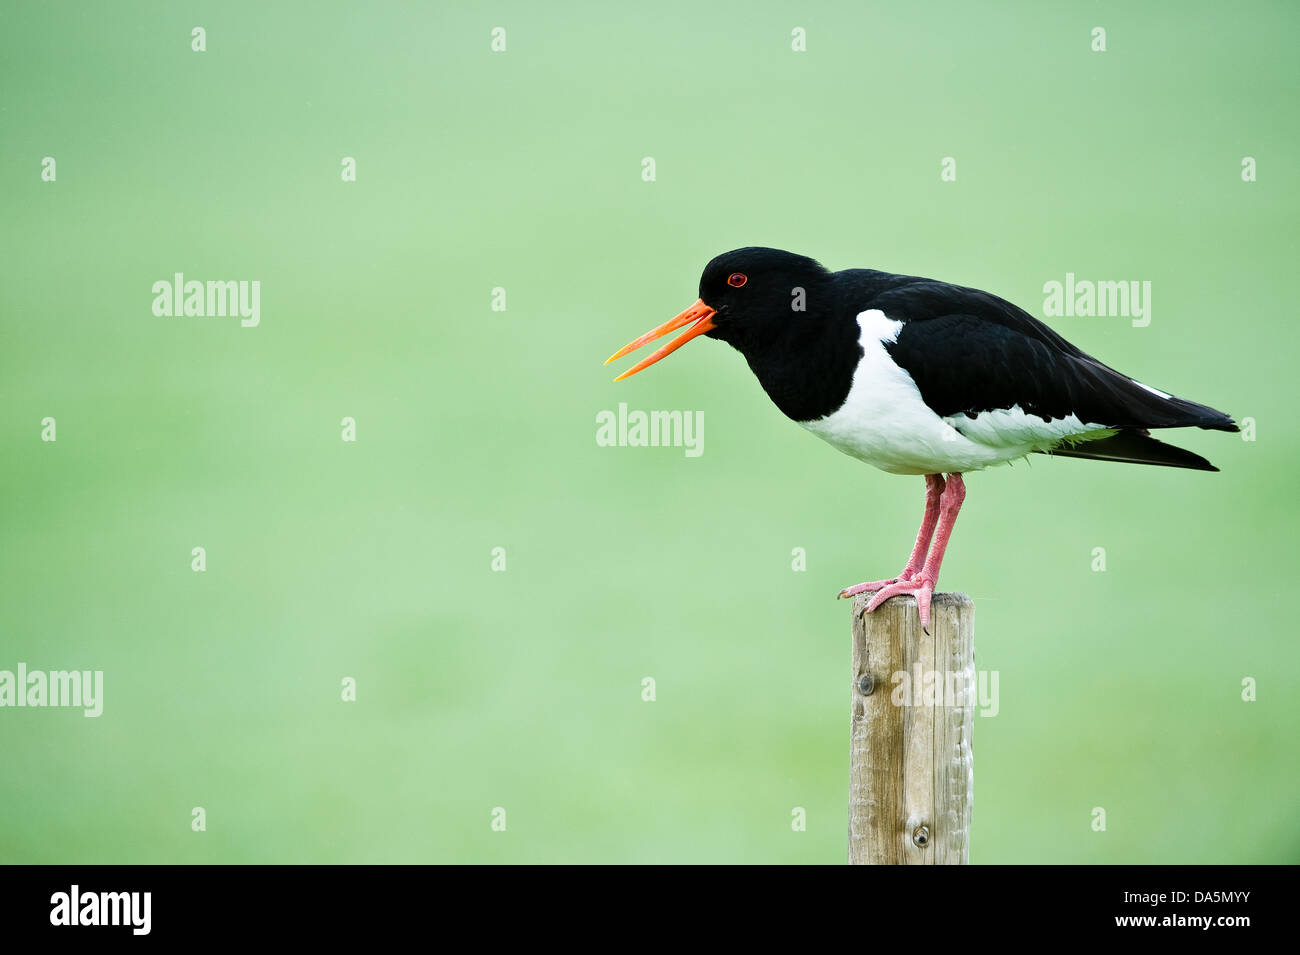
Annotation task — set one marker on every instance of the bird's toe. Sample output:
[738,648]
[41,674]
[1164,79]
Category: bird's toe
[866,587]
[921,587]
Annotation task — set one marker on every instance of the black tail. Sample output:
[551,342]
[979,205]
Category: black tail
[1131,405]
[1193,414]
[1134,446]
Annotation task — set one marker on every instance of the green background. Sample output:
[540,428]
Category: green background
[476,429]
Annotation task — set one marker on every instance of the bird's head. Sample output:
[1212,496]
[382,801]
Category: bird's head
[749,298]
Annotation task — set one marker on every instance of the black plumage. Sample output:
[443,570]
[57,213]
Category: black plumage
[967,351]
[917,376]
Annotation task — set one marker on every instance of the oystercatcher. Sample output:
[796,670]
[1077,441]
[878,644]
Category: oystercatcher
[917,376]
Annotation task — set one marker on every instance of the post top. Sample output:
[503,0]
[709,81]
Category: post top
[938,600]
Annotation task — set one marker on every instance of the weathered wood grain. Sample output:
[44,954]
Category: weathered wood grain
[910,762]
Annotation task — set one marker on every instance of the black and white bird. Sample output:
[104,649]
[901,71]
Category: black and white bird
[917,376]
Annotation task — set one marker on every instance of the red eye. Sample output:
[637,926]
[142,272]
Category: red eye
[736,279]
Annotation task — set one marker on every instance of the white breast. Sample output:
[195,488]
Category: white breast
[885,423]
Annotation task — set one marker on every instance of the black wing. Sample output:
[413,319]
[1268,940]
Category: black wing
[969,351]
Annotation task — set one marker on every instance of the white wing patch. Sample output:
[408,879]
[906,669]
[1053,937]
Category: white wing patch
[1155,391]
[885,422]
[1014,429]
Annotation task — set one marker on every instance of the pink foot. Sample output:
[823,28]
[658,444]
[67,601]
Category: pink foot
[934,487]
[873,585]
[922,587]
[942,503]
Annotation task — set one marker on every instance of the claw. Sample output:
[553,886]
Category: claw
[870,585]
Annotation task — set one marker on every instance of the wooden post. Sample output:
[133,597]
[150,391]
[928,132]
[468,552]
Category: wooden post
[910,767]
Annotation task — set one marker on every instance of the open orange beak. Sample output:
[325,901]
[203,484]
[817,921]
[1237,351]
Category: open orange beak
[699,313]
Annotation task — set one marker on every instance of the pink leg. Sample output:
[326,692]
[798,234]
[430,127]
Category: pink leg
[933,490]
[923,583]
